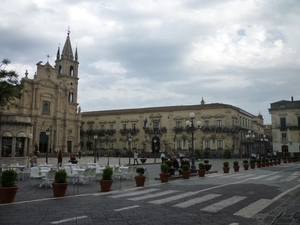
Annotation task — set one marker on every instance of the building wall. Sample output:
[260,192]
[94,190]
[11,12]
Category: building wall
[222,127]
[285,117]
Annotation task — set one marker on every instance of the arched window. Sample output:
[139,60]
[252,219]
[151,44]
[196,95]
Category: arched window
[60,70]
[70,96]
[71,71]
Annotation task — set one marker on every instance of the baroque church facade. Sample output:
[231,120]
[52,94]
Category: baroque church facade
[47,118]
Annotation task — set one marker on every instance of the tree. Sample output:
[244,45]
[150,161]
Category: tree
[10,87]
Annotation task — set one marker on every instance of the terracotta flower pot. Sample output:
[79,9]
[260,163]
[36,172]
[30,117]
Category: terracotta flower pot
[8,194]
[105,185]
[236,168]
[258,165]
[164,177]
[226,169]
[252,166]
[186,174]
[246,166]
[59,189]
[140,181]
[201,173]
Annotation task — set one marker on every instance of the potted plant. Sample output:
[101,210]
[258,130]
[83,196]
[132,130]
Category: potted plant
[73,160]
[245,164]
[207,166]
[60,184]
[201,171]
[263,162]
[170,166]
[252,163]
[274,161]
[226,167]
[258,163]
[279,161]
[271,162]
[140,179]
[267,162]
[236,166]
[164,175]
[185,171]
[8,189]
[284,159]
[106,181]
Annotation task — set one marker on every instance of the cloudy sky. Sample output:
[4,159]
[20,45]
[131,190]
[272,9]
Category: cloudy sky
[145,53]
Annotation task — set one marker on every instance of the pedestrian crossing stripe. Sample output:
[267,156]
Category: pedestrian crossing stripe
[173,198]
[195,201]
[134,193]
[163,193]
[273,177]
[254,208]
[222,204]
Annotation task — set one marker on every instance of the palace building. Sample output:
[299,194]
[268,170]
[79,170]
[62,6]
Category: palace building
[164,129]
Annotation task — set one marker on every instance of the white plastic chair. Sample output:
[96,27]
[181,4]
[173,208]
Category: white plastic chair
[128,173]
[86,175]
[117,173]
[34,173]
[93,173]
[49,177]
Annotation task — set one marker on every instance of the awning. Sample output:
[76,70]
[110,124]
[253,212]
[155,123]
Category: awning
[21,134]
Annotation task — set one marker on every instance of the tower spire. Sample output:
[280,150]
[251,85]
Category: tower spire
[67,52]
[58,53]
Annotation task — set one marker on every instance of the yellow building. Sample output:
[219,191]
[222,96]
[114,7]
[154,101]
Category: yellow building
[163,129]
[49,103]
[285,116]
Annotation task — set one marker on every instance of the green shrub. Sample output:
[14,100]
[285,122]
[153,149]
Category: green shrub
[225,164]
[258,161]
[227,153]
[8,178]
[185,167]
[252,161]
[169,163]
[245,161]
[164,168]
[206,161]
[201,166]
[140,170]
[107,173]
[60,176]
[235,163]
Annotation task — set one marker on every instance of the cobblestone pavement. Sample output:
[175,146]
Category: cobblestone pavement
[287,212]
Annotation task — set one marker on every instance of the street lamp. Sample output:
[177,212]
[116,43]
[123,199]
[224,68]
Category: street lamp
[249,138]
[95,138]
[48,134]
[155,148]
[193,128]
[264,140]
[129,147]
[30,136]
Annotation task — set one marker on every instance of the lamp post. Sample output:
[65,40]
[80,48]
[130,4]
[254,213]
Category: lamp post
[264,140]
[48,134]
[249,138]
[129,147]
[193,128]
[95,138]
[30,136]
[155,149]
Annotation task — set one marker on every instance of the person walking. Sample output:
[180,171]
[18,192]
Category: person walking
[59,159]
[33,160]
[162,157]
[135,158]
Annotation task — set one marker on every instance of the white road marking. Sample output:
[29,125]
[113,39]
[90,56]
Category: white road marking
[290,178]
[152,195]
[231,175]
[244,176]
[196,201]
[173,198]
[273,178]
[126,208]
[253,208]
[261,204]
[258,177]
[134,193]
[224,203]
[67,220]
